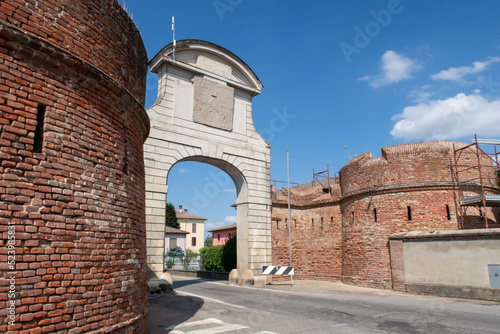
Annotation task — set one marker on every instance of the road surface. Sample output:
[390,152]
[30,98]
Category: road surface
[209,307]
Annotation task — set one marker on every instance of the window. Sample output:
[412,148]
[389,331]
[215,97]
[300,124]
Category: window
[125,150]
[218,237]
[321,222]
[40,119]
[229,236]
[193,229]
[375,215]
[193,241]
[409,212]
[173,242]
[448,214]
[331,221]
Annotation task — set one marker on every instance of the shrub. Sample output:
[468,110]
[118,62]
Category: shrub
[187,258]
[170,263]
[229,254]
[212,258]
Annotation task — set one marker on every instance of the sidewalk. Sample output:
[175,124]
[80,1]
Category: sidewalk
[337,287]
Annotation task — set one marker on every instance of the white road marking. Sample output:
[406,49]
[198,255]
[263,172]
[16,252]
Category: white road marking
[210,299]
[220,327]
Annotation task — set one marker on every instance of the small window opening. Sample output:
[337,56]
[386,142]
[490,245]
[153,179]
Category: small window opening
[331,221]
[448,215]
[321,222]
[295,222]
[409,212]
[312,222]
[375,215]
[125,151]
[352,214]
[40,120]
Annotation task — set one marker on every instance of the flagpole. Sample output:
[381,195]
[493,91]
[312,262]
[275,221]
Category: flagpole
[173,36]
[289,212]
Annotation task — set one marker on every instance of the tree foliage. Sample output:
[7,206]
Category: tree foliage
[170,217]
[229,254]
[212,258]
[208,241]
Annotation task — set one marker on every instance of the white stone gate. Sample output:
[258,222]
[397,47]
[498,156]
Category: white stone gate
[204,113]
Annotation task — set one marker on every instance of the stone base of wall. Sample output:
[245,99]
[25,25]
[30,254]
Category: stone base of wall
[468,292]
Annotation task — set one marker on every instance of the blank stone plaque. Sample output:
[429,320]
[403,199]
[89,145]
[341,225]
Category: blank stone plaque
[213,104]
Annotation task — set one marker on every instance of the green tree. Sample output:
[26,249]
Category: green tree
[229,254]
[170,217]
[208,241]
[212,258]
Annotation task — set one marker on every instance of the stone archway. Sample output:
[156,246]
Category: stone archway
[204,113]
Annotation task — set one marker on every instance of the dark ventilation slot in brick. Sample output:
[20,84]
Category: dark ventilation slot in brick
[375,215]
[409,212]
[321,222]
[312,222]
[331,221]
[126,150]
[40,120]
[448,215]
[295,222]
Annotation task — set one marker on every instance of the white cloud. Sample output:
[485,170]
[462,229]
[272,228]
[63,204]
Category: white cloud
[230,219]
[210,225]
[395,67]
[421,94]
[456,117]
[457,74]
[183,170]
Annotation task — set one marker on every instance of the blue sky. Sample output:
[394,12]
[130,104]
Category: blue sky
[355,74]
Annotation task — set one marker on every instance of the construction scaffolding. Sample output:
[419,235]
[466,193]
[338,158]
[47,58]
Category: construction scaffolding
[476,178]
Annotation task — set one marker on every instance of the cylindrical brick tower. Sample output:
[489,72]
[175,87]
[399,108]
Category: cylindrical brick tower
[73,124]
[408,188]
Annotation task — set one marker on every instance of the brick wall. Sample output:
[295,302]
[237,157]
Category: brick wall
[408,188]
[316,233]
[72,126]
[375,199]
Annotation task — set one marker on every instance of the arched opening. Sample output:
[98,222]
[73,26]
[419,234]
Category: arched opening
[204,114]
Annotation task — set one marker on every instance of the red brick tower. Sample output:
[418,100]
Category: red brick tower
[73,124]
[408,188]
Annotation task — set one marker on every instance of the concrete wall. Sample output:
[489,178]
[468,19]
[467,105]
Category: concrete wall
[449,263]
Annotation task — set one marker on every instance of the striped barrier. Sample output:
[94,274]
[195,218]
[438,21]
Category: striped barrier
[277,270]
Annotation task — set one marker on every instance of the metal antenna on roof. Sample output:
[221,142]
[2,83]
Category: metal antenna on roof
[173,36]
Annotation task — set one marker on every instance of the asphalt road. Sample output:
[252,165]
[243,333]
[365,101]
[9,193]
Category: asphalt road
[209,307]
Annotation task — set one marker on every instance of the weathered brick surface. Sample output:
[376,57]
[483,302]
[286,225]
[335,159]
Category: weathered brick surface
[316,235]
[373,202]
[78,202]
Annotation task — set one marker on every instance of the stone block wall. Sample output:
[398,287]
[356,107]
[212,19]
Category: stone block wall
[73,125]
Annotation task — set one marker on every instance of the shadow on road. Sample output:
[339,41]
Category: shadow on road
[170,309]
[179,282]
